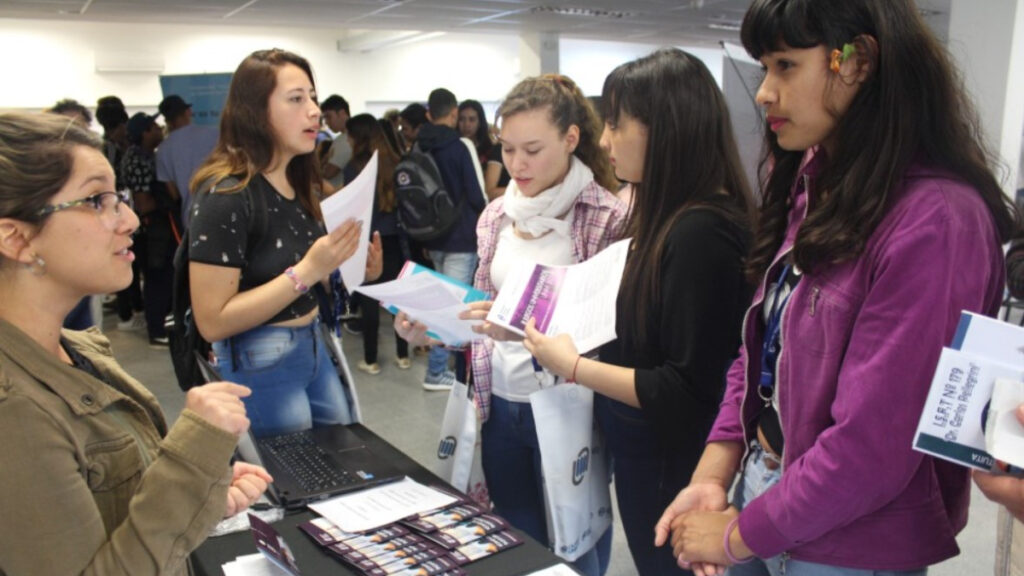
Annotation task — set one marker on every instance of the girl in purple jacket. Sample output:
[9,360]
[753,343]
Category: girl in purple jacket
[881,222]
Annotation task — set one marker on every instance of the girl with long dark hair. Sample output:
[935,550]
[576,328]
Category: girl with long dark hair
[683,291]
[881,222]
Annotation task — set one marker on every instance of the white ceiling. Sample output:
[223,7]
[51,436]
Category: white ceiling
[687,22]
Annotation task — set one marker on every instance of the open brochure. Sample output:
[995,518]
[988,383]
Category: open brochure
[577,300]
[430,298]
[953,422]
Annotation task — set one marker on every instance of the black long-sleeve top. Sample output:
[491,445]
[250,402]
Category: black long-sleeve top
[694,329]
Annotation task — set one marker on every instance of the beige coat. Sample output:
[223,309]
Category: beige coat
[91,479]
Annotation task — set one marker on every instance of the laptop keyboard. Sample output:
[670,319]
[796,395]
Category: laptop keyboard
[309,463]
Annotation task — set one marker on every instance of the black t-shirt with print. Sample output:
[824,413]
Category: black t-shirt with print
[219,230]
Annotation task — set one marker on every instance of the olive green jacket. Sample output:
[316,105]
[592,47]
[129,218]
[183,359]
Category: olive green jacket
[91,479]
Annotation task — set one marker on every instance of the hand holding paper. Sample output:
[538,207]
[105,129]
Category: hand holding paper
[355,201]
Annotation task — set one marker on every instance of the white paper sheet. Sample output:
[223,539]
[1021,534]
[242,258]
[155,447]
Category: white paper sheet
[1004,435]
[556,570]
[375,507]
[252,565]
[429,300]
[577,300]
[355,201]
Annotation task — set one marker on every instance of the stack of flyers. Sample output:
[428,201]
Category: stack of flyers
[396,561]
[463,533]
[446,517]
[440,566]
[325,533]
[485,547]
[366,548]
[272,545]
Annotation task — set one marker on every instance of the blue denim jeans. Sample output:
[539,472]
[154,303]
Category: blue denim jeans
[511,459]
[295,385]
[756,480]
[461,266]
[647,479]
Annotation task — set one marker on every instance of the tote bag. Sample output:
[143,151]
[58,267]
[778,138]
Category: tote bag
[575,467]
[458,450]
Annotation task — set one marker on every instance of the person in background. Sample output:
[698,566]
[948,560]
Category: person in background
[72,109]
[366,136]
[410,119]
[455,253]
[682,293]
[186,147]
[94,481]
[1015,269]
[473,125]
[336,113]
[879,225]
[251,294]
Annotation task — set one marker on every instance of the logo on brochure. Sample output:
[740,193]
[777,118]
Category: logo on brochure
[580,466]
[446,448]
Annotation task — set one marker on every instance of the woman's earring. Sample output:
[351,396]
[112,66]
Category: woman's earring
[37,266]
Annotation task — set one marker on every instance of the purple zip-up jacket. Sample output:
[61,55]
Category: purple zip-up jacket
[860,341]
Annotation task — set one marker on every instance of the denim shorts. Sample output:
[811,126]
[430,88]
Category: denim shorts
[756,480]
[294,382]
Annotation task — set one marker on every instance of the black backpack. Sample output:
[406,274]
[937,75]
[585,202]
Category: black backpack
[425,208]
[184,340]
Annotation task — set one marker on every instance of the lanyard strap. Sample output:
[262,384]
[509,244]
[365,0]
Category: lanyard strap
[770,344]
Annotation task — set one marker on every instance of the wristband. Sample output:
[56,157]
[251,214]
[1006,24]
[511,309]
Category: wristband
[299,286]
[725,543]
[574,367]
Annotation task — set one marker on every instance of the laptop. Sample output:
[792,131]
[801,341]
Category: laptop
[312,464]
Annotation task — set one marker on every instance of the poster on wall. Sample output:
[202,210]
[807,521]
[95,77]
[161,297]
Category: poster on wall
[205,92]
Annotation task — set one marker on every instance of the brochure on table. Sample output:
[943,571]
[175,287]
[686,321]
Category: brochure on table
[577,300]
[952,425]
[354,201]
[430,298]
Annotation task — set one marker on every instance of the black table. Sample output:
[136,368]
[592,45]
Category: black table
[313,560]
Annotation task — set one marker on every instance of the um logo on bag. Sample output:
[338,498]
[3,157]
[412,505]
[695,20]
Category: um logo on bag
[447,447]
[580,466]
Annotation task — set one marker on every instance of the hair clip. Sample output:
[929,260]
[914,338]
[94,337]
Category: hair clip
[838,57]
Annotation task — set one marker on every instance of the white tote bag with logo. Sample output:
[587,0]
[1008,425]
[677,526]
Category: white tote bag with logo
[575,467]
[458,450]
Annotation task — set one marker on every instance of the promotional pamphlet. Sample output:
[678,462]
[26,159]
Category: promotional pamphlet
[354,201]
[577,300]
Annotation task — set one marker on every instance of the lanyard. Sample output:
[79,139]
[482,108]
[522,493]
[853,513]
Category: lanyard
[770,345]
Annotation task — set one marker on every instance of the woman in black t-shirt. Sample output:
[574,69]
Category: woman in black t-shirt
[250,273]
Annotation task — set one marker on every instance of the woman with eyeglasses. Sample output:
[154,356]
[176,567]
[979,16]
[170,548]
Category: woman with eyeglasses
[94,481]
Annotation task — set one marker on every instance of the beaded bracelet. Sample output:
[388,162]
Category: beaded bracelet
[299,286]
[725,543]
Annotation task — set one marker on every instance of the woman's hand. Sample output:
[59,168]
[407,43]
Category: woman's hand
[557,354]
[248,483]
[220,404]
[478,311]
[698,539]
[328,252]
[1005,490]
[413,332]
[698,496]
[374,259]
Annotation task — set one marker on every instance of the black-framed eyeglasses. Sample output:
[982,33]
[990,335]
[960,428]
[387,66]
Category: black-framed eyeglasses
[104,203]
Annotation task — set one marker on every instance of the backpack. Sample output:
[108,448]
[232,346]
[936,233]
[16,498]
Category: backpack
[184,340]
[425,208]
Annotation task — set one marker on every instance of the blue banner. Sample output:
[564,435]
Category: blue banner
[205,92]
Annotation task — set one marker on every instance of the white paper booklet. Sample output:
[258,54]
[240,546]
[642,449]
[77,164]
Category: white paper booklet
[354,201]
[952,425]
[374,507]
[577,300]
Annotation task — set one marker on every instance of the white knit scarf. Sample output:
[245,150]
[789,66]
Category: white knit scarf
[543,212]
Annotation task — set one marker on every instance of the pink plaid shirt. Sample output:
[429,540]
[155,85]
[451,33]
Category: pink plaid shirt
[598,219]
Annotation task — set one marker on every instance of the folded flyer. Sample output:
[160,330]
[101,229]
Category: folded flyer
[952,424]
[577,300]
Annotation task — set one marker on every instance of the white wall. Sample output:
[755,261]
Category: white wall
[58,59]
